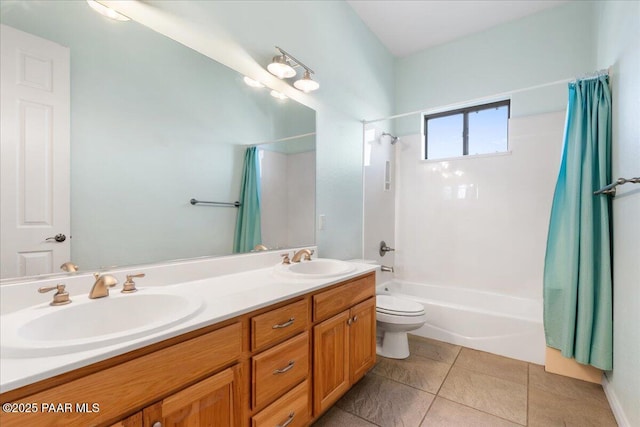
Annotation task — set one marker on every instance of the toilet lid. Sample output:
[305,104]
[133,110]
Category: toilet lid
[398,306]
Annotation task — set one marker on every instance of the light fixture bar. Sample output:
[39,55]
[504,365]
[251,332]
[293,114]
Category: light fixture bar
[295,60]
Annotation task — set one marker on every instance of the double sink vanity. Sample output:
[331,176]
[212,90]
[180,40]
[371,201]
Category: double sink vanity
[236,341]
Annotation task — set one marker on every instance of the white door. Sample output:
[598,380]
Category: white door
[34,135]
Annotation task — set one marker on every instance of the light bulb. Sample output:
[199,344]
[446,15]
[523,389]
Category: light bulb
[278,95]
[107,11]
[253,83]
[305,84]
[280,68]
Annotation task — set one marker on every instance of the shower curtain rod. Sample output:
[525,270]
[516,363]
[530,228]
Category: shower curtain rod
[288,138]
[489,97]
[611,188]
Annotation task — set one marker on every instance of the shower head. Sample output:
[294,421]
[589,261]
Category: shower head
[394,139]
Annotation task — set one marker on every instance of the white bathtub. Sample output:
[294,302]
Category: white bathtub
[499,324]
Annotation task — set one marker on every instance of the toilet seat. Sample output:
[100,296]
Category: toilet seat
[394,306]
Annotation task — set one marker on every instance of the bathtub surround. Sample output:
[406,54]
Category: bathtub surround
[577,272]
[288,204]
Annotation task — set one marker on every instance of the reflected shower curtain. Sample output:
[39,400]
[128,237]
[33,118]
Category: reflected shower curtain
[578,312]
[248,233]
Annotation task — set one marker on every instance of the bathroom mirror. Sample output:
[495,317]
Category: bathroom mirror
[155,124]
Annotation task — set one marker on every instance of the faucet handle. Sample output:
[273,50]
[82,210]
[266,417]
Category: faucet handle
[307,256]
[285,258]
[61,297]
[129,285]
[69,267]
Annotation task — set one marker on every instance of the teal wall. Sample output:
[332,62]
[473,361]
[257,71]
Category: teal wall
[552,45]
[618,46]
[355,73]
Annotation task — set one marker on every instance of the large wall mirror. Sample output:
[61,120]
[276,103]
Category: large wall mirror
[154,124]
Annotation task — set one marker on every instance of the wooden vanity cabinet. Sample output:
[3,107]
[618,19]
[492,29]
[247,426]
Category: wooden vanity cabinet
[265,368]
[214,401]
[345,344]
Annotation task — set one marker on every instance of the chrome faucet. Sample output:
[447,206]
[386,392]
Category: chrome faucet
[297,257]
[101,286]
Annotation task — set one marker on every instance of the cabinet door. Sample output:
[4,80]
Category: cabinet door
[214,401]
[362,338]
[134,420]
[331,361]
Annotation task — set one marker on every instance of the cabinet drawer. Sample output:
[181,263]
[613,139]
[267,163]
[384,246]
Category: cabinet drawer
[278,324]
[292,406]
[333,301]
[145,379]
[278,369]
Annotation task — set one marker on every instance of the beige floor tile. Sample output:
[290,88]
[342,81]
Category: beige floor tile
[436,350]
[445,413]
[385,402]
[494,365]
[551,410]
[590,393]
[419,372]
[336,417]
[496,396]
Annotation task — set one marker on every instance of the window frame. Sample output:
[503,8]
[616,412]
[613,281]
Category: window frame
[465,124]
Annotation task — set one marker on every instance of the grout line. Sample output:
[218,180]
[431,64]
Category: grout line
[480,410]
[528,394]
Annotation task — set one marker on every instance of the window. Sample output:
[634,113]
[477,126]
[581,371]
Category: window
[481,129]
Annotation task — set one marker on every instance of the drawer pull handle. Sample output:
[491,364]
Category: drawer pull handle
[355,319]
[285,324]
[289,420]
[285,369]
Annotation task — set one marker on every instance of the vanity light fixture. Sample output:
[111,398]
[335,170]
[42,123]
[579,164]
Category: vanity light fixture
[305,84]
[278,95]
[283,67]
[253,83]
[107,11]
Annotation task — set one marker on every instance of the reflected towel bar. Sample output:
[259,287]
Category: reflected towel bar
[611,188]
[223,204]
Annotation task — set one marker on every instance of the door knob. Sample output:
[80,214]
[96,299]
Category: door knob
[58,238]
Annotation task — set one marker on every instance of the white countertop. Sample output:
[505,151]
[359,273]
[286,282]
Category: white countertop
[225,296]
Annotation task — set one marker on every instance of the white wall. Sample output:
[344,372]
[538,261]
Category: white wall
[618,46]
[288,205]
[479,222]
[379,203]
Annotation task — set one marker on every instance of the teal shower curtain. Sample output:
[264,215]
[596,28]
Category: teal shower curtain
[578,306]
[248,233]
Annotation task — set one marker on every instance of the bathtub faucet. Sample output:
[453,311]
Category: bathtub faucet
[386,269]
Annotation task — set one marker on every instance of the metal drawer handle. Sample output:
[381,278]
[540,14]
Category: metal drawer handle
[285,324]
[289,420]
[285,369]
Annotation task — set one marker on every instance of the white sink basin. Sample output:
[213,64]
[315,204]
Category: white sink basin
[322,268]
[85,323]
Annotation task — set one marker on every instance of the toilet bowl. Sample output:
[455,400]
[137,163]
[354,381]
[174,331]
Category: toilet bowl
[394,318]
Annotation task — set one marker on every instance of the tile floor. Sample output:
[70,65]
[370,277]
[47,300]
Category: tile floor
[442,384]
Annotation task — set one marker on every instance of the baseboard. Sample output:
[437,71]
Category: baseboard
[616,408]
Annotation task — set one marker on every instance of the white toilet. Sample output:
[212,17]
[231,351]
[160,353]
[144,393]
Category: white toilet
[394,318]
